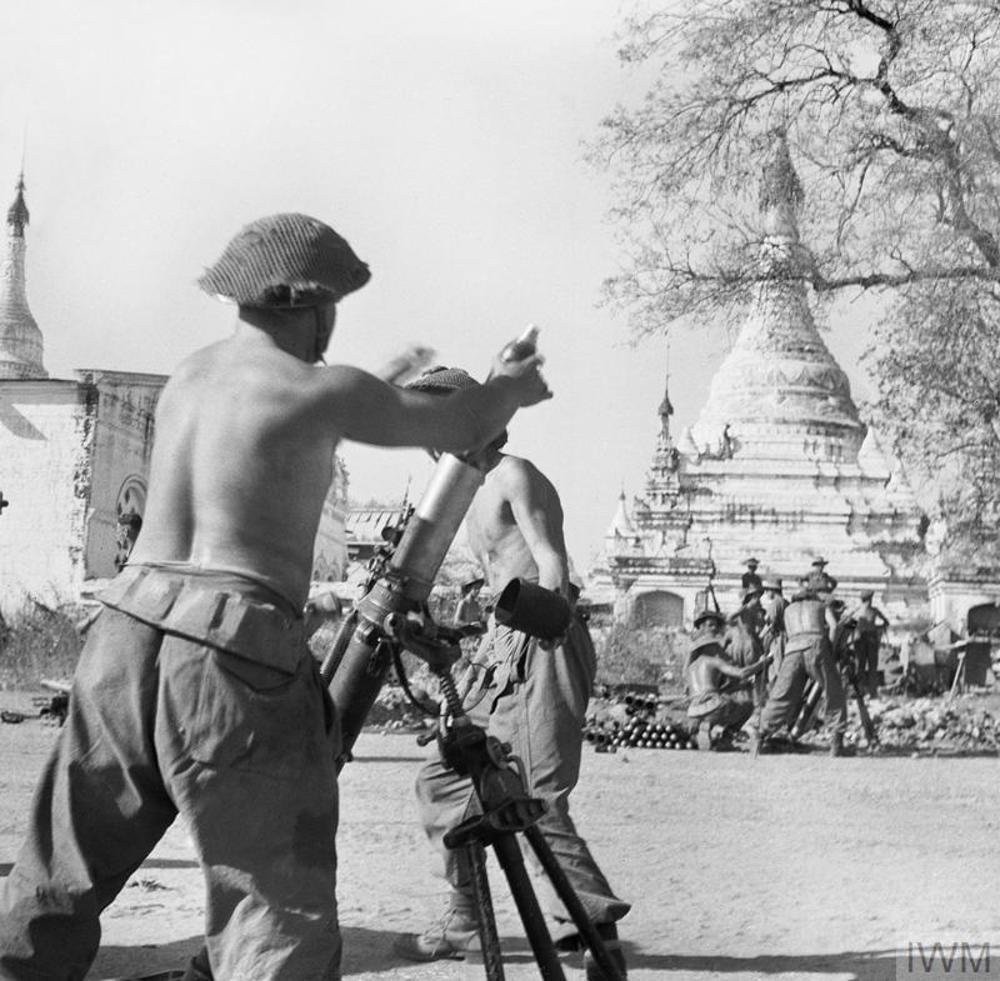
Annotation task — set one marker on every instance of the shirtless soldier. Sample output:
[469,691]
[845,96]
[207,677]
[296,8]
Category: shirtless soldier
[534,699]
[196,693]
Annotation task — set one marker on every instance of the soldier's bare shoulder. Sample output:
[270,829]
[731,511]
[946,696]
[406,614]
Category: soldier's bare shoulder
[516,471]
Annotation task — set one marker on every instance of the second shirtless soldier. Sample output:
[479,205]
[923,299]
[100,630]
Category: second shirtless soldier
[535,699]
[196,693]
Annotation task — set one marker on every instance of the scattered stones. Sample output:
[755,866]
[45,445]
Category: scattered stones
[955,724]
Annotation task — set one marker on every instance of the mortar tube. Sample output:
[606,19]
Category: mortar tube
[434,525]
[360,672]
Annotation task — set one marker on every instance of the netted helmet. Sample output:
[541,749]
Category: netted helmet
[443,380]
[285,260]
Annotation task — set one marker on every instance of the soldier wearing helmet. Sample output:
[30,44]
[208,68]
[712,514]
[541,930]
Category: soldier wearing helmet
[196,692]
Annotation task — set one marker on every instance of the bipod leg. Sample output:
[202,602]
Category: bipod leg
[489,939]
[866,720]
[568,897]
[511,860]
[807,709]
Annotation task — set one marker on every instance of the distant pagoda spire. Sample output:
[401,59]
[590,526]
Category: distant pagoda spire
[666,409]
[621,523]
[20,338]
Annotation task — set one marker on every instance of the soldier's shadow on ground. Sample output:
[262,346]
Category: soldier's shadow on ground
[371,951]
[368,951]
[864,965]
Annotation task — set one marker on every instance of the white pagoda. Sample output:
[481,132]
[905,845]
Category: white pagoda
[779,466]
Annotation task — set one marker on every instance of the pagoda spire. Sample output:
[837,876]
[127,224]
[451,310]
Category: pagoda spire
[666,409]
[20,338]
[621,523]
[781,194]
[18,215]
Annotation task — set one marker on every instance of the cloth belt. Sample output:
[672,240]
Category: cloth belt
[192,607]
[704,704]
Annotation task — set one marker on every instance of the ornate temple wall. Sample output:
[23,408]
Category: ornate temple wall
[41,459]
[330,551]
[117,431]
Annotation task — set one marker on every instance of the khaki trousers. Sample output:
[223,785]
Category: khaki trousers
[806,656]
[535,700]
[240,742]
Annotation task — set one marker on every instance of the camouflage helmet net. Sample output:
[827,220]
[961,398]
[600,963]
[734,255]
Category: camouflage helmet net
[285,260]
[441,379]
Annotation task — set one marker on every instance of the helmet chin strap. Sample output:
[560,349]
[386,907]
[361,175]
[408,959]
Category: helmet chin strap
[319,332]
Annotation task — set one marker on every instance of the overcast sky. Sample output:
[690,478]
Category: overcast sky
[444,140]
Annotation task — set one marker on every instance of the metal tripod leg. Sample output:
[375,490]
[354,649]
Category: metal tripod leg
[495,828]
[568,897]
[506,810]
[489,939]
[508,853]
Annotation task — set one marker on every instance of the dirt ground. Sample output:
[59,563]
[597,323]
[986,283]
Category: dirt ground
[780,867]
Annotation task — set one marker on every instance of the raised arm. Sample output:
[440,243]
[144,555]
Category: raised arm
[831,623]
[732,671]
[539,515]
[368,410]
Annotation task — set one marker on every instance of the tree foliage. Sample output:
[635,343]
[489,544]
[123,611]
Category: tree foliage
[891,113]
[937,362]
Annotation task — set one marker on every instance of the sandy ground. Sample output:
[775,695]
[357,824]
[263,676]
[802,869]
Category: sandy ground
[788,867]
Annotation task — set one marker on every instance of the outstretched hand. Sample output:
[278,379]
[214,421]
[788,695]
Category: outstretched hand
[529,384]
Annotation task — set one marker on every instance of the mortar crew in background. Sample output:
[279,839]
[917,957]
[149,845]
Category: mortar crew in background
[820,581]
[773,604]
[809,628]
[742,644]
[869,621]
[750,579]
[469,609]
[717,710]
[842,643]
[469,612]
[195,692]
[534,699]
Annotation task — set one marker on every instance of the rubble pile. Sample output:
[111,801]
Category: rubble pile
[636,720]
[394,710]
[959,724]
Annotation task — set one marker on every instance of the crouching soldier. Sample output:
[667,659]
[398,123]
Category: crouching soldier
[717,715]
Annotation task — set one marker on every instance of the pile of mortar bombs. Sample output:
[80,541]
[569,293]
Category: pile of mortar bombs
[634,719]
[936,723]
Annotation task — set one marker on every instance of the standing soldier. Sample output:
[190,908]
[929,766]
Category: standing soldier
[469,609]
[534,699]
[750,579]
[195,692]
[820,581]
[773,604]
[743,644]
[870,621]
[809,627]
